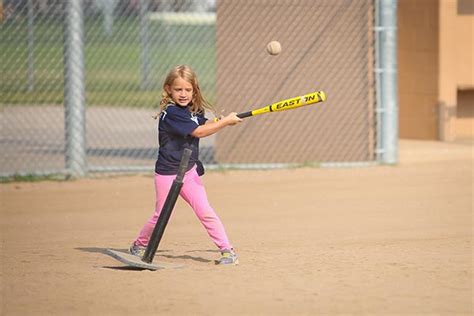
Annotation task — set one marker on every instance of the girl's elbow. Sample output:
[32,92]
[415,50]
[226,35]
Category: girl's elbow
[198,133]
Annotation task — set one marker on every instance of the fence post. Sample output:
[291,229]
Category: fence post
[144,46]
[31,45]
[387,94]
[74,90]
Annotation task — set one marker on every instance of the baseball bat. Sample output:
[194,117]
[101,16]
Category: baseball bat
[165,214]
[288,104]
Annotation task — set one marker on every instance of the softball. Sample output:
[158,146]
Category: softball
[274,48]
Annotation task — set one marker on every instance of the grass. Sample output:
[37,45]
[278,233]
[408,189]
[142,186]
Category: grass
[32,178]
[113,64]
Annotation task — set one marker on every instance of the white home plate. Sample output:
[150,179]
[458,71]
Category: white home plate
[137,262]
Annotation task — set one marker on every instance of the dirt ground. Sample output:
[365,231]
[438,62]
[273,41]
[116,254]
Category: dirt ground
[377,240]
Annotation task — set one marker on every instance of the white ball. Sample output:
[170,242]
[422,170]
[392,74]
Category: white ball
[274,48]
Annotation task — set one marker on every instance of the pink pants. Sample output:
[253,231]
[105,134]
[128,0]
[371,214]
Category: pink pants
[194,193]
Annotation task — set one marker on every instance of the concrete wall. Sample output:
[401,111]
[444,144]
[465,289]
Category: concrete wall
[456,68]
[327,45]
[436,63]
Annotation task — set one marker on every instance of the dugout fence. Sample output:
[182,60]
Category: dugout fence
[80,81]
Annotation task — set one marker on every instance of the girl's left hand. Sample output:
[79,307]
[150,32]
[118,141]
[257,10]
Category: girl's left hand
[231,119]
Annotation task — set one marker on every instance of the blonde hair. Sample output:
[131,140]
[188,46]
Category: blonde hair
[198,104]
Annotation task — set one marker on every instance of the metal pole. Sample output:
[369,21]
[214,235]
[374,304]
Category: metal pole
[108,12]
[74,90]
[387,81]
[145,47]
[31,45]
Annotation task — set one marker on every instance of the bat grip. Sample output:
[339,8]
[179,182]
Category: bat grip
[244,114]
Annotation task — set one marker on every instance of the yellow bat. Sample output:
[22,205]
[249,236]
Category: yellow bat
[288,104]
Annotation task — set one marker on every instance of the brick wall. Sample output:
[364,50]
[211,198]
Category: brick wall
[327,45]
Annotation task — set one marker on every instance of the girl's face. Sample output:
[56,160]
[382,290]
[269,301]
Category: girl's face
[181,91]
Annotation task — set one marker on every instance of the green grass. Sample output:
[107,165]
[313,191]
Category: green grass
[32,178]
[113,66]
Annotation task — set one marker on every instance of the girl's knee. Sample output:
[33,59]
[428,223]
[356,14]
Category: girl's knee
[207,215]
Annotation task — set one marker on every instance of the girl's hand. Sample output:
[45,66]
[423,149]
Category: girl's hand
[212,127]
[231,119]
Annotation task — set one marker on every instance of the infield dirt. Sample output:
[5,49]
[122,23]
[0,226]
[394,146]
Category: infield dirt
[377,240]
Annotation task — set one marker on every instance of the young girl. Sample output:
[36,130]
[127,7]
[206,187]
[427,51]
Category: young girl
[181,124]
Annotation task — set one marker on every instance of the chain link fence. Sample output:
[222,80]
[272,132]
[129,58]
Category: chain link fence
[80,81]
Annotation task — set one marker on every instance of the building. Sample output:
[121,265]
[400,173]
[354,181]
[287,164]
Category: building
[436,69]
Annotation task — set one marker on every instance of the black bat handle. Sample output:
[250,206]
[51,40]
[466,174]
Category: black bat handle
[244,114]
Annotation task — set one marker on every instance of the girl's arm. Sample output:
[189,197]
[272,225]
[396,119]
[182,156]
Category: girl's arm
[212,127]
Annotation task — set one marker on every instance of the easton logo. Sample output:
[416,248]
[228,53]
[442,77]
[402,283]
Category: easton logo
[310,98]
[295,102]
[287,103]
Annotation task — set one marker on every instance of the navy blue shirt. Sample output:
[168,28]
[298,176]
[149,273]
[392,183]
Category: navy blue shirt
[174,135]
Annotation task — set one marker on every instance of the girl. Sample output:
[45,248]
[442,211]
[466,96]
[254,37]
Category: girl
[181,124]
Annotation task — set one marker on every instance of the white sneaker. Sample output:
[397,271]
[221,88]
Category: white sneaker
[228,257]
[136,250]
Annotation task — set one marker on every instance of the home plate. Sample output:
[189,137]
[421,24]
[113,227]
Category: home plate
[134,261]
